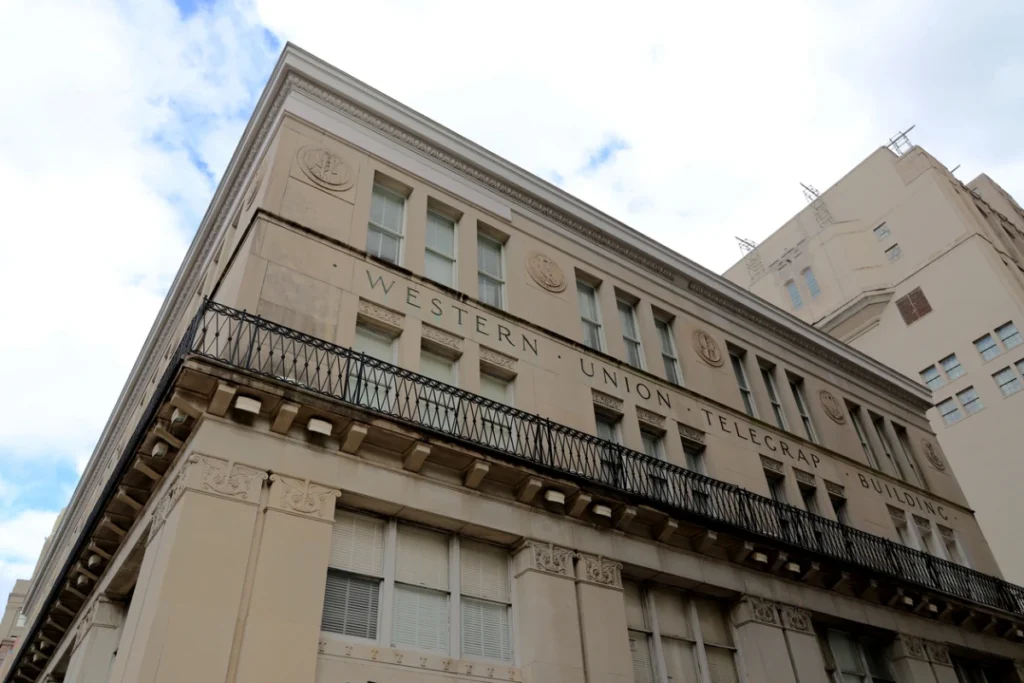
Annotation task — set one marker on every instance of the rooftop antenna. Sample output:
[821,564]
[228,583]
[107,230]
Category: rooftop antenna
[746,246]
[954,169]
[810,193]
[900,144]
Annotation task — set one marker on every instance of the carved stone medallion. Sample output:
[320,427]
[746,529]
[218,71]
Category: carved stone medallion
[832,407]
[545,272]
[707,348]
[326,169]
[931,456]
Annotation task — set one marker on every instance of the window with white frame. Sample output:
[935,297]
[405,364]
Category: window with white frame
[424,587]
[951,366]
[437,407]
[809,495]
[368,385]
[674,636]
[590,315]
[387,225]
[1007,381]
[882,232]
[928,540]
[794,294]
[776,485]
[987,347]
[796,385]
[768,375]
[654,448]
[839,508]
[883,438]
[496,424]
[699,491]
[669,355]
[736,358]
[490,270]
[932,378]
[950,411]
[439,264]
[857,417]
[812,282]
[893,253]
[849,659]
[630,334]
[1009,335]
[970,400]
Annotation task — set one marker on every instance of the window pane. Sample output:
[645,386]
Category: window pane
[673,610]
[438,268]
[484,571]
[952,367]
[357,544]
[441,234]
[1009,335]
[882,231]
[812,283]
[970,401]
[640,650]
[893,253]
[485,631]
[488,253]
[635,615]
[633,353]
[694,460]
[721,665]
[1007,381]
[494,388]
[490,291]
[437,367]
[421,618]
[652,444]
[422,558]
[794,294]
[607,430]
[987,347]
[680,660]
[932,378]
[350,605]
[714,626]
[592,335]
[668,347]
[950,411]
[386,209]
[588,301]
[844,651]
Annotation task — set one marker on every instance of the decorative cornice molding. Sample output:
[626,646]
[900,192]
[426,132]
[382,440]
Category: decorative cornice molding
[416,660]
[772,465]
[302,497]
[439,336]
[691,434]
[707,348]
[607,401]
[650,418]
[497,359]
[169,499]
[545,271]
[547,557]
[598,570]
[793,338]
[796,619]
[389,318]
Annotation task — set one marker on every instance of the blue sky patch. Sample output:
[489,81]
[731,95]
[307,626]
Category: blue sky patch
[605,154]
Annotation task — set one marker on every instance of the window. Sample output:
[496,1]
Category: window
[387,223]
[913,306]
[987,347]
[630,336]
[768,375]
[839,507]
[671,631]
[437,408]
[903,439]
[970,400]
[796,385]
[741,381]
[1009,335]
[496,424]
[893,253]
[485,601]
[794,294]
[953,549]
[932,378]
[699,493]
[420,618]
[777,486]
[950,411]
[951,366]
[669,356]
[611,457]
[354,576]
[883,438]
[977,672]
[927,536]
[809,495]
[652,444]
[882,232]
[855,660]
[811,282]
[491,271]
[1007,381]
[21,620]
[368,385]
[590,315]
[903,532]
[694,458]
[440,256]
[858,425]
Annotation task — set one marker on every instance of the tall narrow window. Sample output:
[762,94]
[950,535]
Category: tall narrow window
[421,590]
[927,536]
[387,223]
[1009,335]
[858,425]
[856,660]
[640,635]
[839,507]
[811,282]
[590,315]
[436,407]
[809,495]
[768,375]
[796,385]
[491,271]
[354,576]
[439,265]
[652,444]
[368,384]
[987,347]
[736,358]
[485,601]
[907,451]
[970,400]
[496,424]
[950,411]
[794,294]
[630,335]
[669,356]
[953,549]
[904,533]
[932,378]
[611,457]
[951,366]
[883,438]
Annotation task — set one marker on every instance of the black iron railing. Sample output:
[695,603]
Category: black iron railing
[250,343]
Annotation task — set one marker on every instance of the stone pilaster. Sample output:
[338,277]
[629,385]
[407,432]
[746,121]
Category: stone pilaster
[761,640]
[910,660]
[804,649]
[95,641]
[603,620]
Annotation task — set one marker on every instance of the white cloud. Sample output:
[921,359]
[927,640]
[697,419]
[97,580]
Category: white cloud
[21,539]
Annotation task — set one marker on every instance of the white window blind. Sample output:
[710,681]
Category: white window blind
[630,336]
[357,544]
[680,660]
[847,657]
[713,625]
[634,606]
[491,277]
[589,315]
[640,649]
[351,605]
[484,571]
[721,665]
[384,235]
[485,630]
[422,558]
[673,613]
[421,618]
[439,264]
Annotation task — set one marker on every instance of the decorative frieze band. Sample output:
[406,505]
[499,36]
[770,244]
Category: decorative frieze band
[302,497]
[413,660]
[499,360]
[759,610]
[380,315]
[599,570]
[650,418]
[796,619]
[443,338]
[771,465]
[691,434]
[607,401]
[545,557]
[926,650]
[835,489]
[804,477]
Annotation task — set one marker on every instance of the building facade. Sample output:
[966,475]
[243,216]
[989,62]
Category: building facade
[904,262]
[412,414]
[12,624]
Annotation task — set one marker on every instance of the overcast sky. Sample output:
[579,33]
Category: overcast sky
[692,122]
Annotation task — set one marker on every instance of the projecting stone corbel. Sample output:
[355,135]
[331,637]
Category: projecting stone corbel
[415,456]
[475,474]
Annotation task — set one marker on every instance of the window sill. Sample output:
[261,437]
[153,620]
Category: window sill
[336,646]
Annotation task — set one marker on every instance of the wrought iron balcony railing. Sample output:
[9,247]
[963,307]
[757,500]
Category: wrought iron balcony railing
[263,348]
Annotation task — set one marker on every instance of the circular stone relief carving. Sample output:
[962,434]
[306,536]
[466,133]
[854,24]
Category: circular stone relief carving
[707,348]
[931,456]
[325,168]
[833,408]
[545,272]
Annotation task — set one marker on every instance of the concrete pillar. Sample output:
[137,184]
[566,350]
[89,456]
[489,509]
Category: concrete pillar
[910,661]
[762,642]
[942,665]
[547,614]
[282,612]
[183,615]
[606,653]
[96,645]
[802,643]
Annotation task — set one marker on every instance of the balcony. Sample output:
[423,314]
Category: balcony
[245,342]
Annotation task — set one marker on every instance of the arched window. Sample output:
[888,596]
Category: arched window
[794,294]
[812,282]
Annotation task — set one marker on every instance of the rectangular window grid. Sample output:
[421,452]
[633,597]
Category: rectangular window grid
[669,356]
[797,387]
[987,347]
[439,265]
[744,386]
[950,411]
[893,253]
[490,271]
[768,375]
[951,366]
[384,233]
[1007,381]
[932,378]
[1009,335]
[970,400]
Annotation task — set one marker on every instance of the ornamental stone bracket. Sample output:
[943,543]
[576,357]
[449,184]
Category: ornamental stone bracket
[544,557]
[754,609]
[599,571]
[925,650]
[302,497]
[449,341]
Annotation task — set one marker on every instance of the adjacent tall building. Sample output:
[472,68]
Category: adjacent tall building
[410,413]
[904,262]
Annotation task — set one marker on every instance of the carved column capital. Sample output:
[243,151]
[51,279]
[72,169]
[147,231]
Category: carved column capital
[910,646]
[544,557]
[795,619]
[756,609]
[599,571]
[302,497]
[937,653]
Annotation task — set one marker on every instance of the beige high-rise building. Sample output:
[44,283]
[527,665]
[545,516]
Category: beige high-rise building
[907,264]
[12,623]
[472,429]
